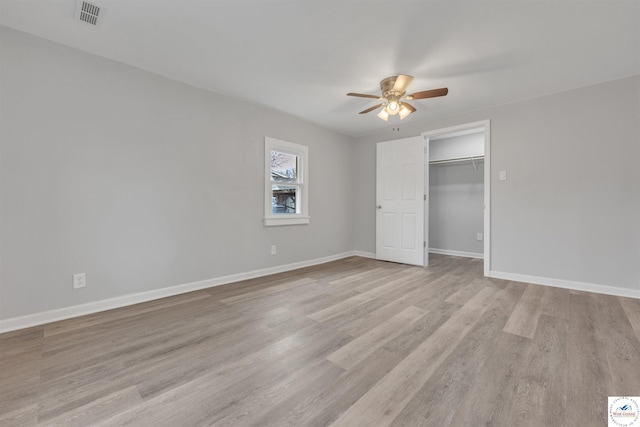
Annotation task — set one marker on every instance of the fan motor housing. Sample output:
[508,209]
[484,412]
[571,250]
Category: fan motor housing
[387,84]
[386,87]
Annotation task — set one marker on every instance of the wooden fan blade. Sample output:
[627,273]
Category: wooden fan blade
[409,106]
[363,95]
[402,83]
[370,109]
[429,93]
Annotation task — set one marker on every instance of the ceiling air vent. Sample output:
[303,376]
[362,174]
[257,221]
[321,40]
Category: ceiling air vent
[89,13]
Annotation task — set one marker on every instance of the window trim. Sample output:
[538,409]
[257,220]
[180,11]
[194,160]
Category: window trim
[271,144]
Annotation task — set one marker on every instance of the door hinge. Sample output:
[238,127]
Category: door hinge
[425,197]
[424,244]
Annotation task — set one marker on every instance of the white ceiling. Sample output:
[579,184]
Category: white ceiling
[303,56]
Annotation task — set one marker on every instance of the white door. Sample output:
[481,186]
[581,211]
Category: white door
[400,201]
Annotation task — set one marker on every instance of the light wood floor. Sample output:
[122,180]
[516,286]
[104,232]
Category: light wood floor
[349,343]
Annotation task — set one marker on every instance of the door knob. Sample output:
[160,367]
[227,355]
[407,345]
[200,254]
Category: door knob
[379,206]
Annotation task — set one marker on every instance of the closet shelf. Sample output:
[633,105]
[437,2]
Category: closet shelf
[461,159]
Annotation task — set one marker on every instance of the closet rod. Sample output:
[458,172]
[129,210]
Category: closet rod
[462,159]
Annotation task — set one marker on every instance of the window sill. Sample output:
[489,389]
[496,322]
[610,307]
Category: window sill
[287,220]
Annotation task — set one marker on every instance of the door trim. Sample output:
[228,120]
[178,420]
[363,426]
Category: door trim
[486,124]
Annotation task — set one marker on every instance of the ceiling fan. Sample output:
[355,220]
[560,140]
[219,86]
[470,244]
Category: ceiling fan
[393,97]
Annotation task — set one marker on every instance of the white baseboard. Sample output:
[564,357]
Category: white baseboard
[364,254]
[49,316]
[456,253]
[568,284]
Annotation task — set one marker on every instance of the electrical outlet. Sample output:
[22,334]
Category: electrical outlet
[479,236]
[503,175]
[79,280]
[273,249]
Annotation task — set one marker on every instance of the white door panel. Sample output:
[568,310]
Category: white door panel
[400,201]
[408,231]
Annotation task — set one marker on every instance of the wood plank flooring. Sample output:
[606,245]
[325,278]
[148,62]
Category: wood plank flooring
[356,342]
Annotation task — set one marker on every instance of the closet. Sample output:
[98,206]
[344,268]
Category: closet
[456,193]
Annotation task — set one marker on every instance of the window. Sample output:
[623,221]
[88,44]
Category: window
[286,183]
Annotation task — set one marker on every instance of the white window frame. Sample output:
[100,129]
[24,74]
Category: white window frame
[302,200]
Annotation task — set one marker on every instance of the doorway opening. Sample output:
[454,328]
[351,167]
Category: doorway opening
[457,183]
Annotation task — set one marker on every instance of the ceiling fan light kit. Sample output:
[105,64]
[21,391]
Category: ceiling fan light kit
[404,111]
[383,114]
[393,97]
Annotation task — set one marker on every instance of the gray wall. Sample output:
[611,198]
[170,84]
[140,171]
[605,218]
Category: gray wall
[142,182]
[570,208]
[456,206]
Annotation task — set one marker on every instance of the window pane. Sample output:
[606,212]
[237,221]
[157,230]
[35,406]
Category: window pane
[283,200]
[284,167]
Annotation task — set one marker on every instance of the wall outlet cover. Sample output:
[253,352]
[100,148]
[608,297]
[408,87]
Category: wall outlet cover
[79,280]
